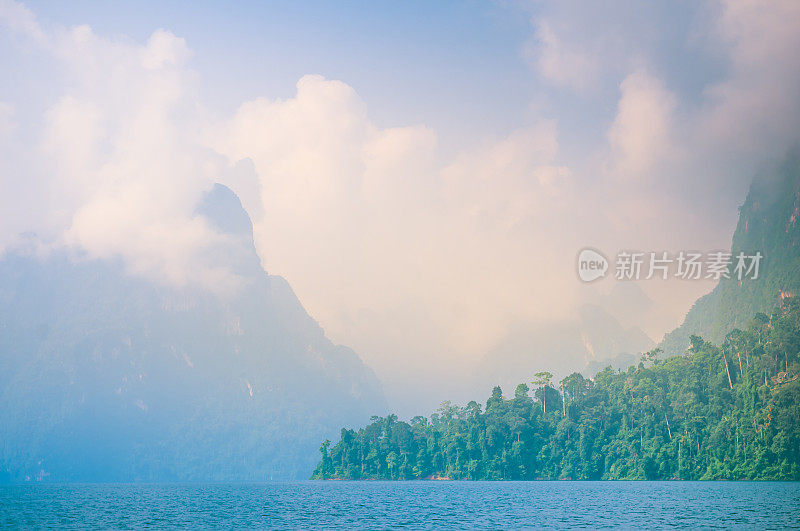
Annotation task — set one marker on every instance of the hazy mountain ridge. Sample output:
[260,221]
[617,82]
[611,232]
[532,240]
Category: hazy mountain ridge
[769,222]
[105,376]
[591,341]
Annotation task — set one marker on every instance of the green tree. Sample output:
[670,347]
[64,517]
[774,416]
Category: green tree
[694,416]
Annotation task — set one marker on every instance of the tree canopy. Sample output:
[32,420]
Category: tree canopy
[729,411]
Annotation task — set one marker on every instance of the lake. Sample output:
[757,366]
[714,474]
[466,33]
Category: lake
[412,505]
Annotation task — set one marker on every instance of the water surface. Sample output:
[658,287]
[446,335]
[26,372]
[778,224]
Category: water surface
[412,505]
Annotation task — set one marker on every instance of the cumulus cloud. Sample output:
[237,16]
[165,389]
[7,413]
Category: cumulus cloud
[641,134]
[509,180]
[407,257]
[164,49]
[8,222]
[559,64]
[714,139]
[753,110]
[122,162]
[18,18]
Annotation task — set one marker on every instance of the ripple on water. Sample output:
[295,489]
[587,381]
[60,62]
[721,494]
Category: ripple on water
[408,505]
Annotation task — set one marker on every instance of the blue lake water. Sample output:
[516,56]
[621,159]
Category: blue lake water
[413,505]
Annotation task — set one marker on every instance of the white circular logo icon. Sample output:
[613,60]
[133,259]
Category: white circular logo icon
[591,265]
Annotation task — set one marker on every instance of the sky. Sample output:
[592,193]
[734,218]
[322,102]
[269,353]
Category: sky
[423,174]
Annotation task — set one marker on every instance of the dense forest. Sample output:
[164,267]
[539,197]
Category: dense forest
[729,411]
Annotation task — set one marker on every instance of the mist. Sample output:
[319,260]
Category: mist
[422,249]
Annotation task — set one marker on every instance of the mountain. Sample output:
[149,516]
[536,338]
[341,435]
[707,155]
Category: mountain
[591,341]
[628,303]
[769,222]
[106,376]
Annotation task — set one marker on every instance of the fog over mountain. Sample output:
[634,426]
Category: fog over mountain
[591,341]
[769,223]
[107,376]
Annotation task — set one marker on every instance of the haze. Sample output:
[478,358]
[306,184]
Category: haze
[423,176]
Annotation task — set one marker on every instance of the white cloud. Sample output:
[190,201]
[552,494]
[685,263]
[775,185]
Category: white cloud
[560,64]
[753,111]
[380,237]
[307,150]
[20,19]
[641,135]
[7,123]
[741,121]
[122,160]
[9,220]
[509,180]
[164,49]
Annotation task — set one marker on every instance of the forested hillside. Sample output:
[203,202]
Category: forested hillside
[728,411]
[769,222]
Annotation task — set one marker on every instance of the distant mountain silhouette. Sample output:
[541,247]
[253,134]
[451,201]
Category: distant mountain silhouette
[588,343]
[106,376]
